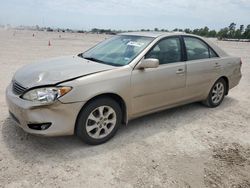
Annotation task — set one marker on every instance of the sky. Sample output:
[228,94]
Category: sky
[125,14]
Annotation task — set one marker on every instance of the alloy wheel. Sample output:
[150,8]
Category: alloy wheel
[217,93]
[100,122]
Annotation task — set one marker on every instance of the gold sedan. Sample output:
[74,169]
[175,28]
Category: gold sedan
[129,75]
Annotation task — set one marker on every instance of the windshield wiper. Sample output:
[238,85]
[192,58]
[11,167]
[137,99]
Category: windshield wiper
[94,59]
[97,60]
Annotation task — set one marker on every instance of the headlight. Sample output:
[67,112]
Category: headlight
[46,94]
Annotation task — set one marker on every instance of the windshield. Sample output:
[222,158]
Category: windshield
[118,51]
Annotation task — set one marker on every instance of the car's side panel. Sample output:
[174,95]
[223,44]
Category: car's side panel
[157,87]
[201,75]
[113,81]
[231,68]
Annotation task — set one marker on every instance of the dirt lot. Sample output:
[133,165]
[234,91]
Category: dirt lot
[189,146]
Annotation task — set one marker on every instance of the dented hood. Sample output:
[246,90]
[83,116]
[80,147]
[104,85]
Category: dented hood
[57,70]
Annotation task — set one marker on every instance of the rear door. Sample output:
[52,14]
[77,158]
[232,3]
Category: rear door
[203,67]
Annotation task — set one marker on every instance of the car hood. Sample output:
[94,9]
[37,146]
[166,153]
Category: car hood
[57,70]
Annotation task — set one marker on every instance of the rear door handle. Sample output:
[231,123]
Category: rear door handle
[180,71]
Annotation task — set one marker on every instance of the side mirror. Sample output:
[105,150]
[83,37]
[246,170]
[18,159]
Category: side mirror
[148,63]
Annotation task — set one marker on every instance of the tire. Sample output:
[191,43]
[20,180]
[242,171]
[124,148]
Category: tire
[216,95]
[98,121]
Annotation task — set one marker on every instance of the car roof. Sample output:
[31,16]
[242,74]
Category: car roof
[153,34]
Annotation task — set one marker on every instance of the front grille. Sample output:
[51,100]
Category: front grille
[17,88]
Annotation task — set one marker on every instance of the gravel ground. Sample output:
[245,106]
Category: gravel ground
[188,146]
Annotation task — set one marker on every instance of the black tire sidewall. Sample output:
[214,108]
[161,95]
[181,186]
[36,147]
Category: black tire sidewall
[84,113]
[210,101]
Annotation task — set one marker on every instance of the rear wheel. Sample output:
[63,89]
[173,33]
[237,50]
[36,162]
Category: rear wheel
[99,121]
[216,94]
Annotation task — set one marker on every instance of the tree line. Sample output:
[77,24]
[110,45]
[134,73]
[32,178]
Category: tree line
[230,32]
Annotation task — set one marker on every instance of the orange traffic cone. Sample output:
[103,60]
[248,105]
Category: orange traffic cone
[49,44]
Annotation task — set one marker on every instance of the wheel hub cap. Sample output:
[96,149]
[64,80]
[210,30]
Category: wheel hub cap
[100,122]
[217,93]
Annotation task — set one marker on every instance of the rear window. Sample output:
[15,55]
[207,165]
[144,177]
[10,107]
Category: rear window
[196,48]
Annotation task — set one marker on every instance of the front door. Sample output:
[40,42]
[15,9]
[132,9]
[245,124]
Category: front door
[153,88]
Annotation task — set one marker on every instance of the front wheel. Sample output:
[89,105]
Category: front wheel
[98,121]
[216,94]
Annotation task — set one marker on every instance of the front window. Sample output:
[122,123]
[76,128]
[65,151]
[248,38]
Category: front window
[166,51]
[118,51]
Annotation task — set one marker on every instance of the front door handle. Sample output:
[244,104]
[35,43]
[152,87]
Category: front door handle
[217,65]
